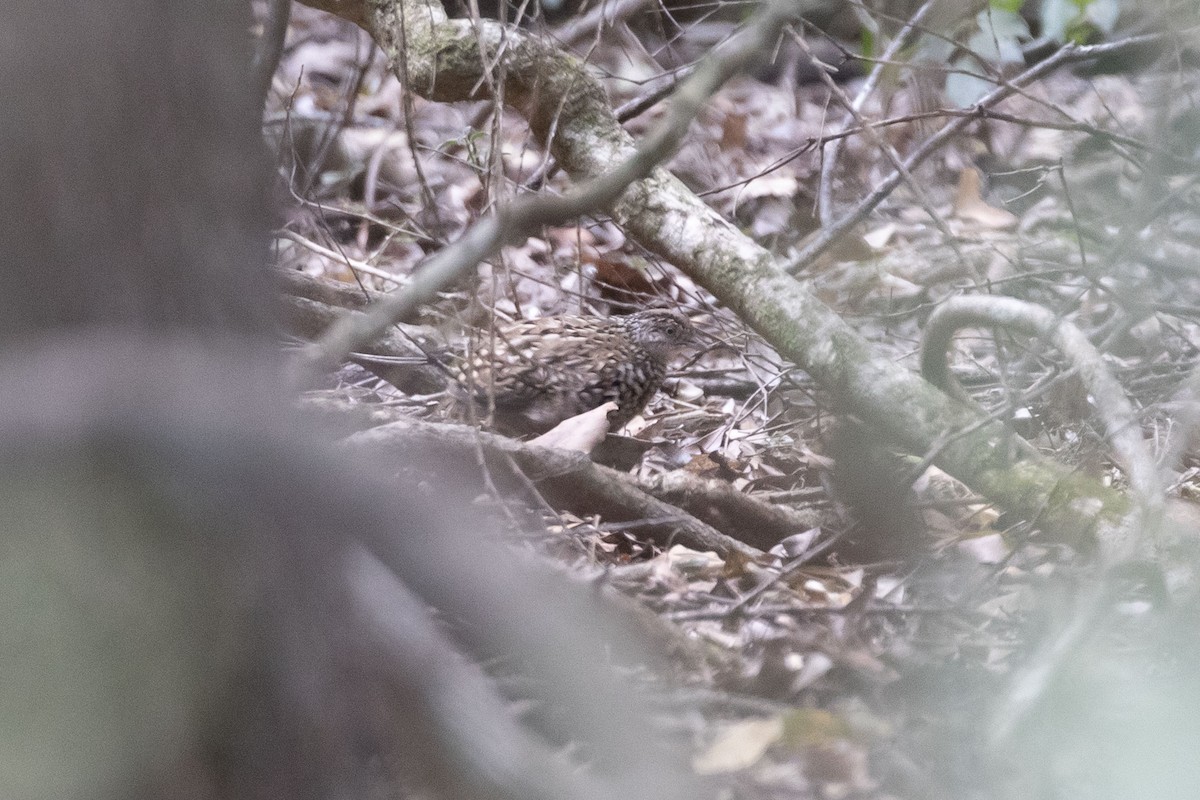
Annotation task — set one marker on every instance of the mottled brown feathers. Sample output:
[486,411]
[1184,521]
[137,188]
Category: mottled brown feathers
[533,374]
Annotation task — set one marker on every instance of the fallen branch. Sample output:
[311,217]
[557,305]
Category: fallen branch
[738,514]
[567,480]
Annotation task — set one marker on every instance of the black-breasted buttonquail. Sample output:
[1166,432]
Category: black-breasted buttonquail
[533,374]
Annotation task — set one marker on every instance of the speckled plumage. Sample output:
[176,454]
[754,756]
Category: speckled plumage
[536,373]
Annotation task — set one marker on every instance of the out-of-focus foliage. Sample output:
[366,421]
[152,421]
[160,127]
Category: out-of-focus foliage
[1078,20]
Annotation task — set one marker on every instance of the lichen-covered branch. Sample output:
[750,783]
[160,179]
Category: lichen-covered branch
[1120,422]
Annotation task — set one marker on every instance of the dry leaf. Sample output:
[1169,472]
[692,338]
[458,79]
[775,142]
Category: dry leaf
[583,432]
[733,132]
[990,549]
[618,279]
[687,561]
[970,205]
[739,746]
[879,237]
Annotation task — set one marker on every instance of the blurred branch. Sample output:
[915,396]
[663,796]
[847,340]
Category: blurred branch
[479,749]
[312,305]
[183,569]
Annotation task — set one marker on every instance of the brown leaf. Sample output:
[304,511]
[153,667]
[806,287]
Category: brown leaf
[733,132]
[618,279]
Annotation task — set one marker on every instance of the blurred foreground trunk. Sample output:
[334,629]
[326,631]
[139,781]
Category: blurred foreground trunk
[198,598]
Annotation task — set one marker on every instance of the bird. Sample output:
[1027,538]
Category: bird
[527,376]
[533,374]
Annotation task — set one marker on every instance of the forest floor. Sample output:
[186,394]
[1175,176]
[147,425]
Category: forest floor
[860,658]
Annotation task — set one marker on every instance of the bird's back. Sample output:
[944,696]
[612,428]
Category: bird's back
[535,373]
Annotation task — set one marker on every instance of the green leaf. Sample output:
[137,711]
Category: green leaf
[866,40]
[1011,6]
[1077,20]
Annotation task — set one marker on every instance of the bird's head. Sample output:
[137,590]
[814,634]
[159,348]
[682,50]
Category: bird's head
[660,331]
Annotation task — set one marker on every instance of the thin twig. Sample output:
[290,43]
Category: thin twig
[1069,53]
[341,258]
[605,15]
[889,153]
[829,157]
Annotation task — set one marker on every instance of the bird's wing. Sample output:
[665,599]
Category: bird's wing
[533,358]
